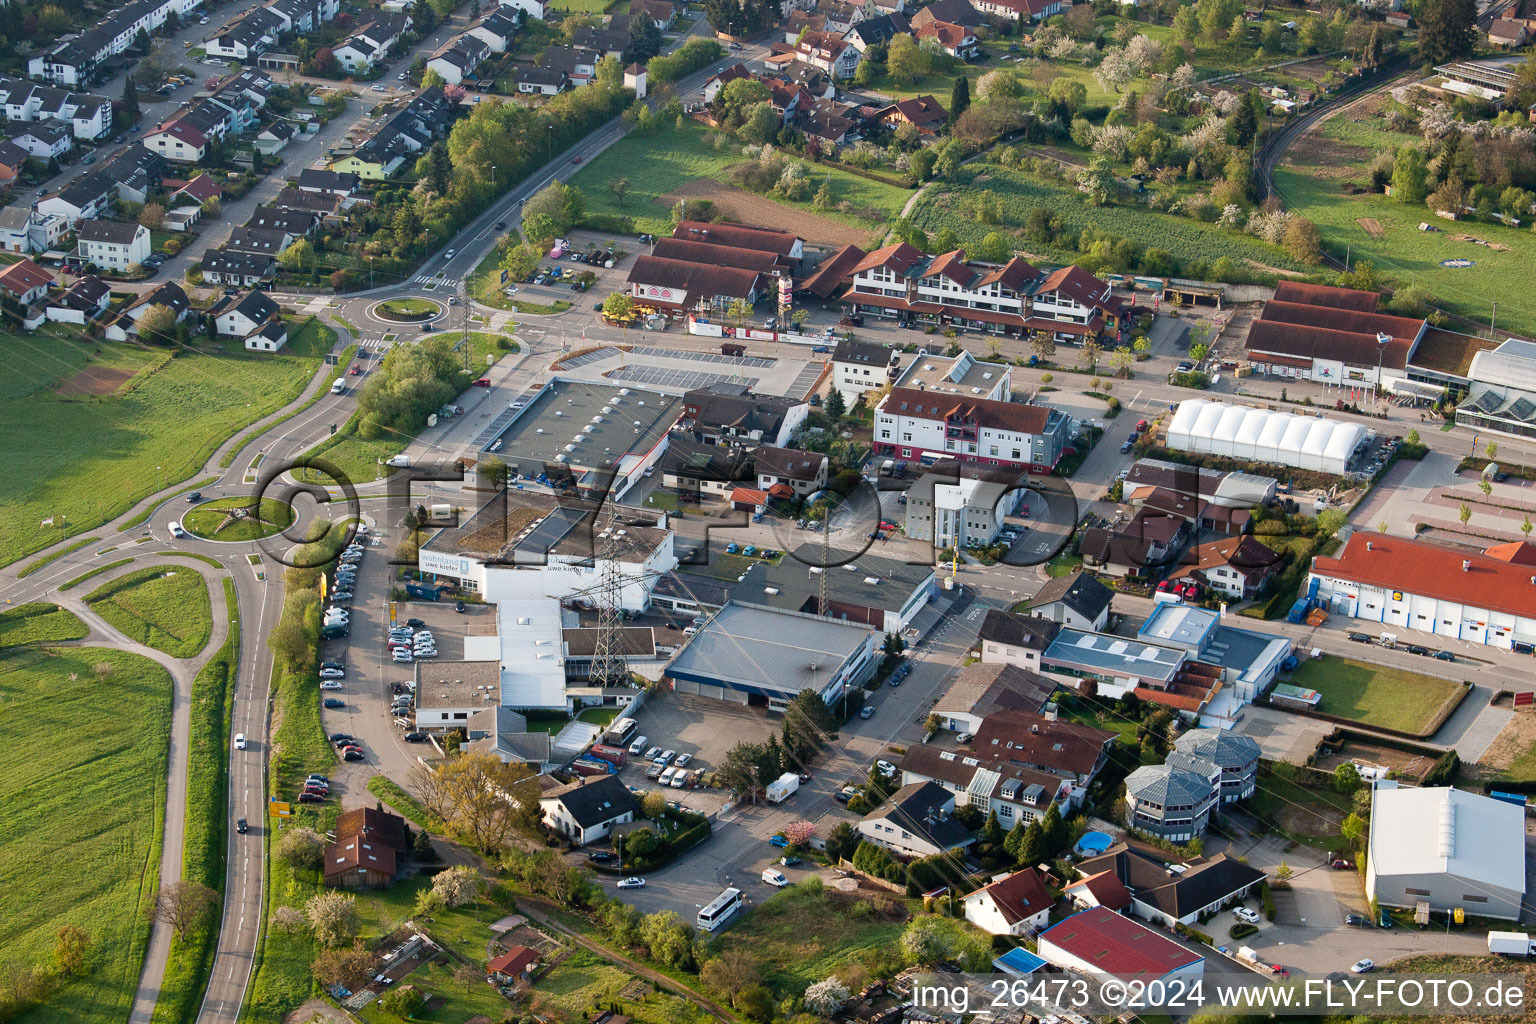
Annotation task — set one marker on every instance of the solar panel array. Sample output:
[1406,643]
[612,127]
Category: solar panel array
[756,362]
[685,380]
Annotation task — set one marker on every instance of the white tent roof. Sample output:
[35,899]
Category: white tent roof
[1245,432]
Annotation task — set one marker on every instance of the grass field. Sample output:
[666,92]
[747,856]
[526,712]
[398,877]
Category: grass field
[209,521]
[93,573]
[80,839]
[485,287]
[413,810]
[945,206]
[584,980]
[1374,694]
[1315,179]
[207,823]
[163,606]
[413,309]
[39,623]
[1308,814]
[83,447]
[801,934]
[36,564]
[657,164]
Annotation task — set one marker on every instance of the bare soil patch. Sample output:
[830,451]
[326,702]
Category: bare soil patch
[1408,766]
[1513,741]
[1371,226]
[751,208]
[96,380]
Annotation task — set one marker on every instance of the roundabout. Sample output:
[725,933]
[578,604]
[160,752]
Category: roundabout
[234,520]
[406,310]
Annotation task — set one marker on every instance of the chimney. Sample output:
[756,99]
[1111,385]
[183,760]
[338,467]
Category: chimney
[1369,546]
[1035,728]
[1466,565]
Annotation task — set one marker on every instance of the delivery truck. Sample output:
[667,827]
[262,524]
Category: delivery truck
[783,787]
[1509,943]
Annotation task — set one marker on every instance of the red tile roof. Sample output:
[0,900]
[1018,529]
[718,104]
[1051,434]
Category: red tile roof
[202,188]
[358,853]
[750,494]
[1430,570]
[1019,896]
[1335,319]
[1520,552]
[901,257]
[834,271]
[743,235]
[514,961]
[23,276]
[949,36]
[698,280]
[985,412]
[1117,945]
[923,111]
[1014,274]
[1325,295]
[1108,890]
[1307,343]
[1034,739]
[1078,285]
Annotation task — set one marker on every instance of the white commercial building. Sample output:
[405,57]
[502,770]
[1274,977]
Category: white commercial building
[1447,848]
[1250,434]
[1487,598]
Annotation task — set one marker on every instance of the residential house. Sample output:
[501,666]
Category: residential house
[962,505]
[373,42]
[721,79]
[1235,754]
[13,160]
[136,172]
[955,40]
[514,967]
[233,267]
[81,199]
[834,124]
[586,810]
[402,135]
[913,424]
[1101,889]
[1021,12]
[579,64]
[859,367]
[917,821]
[274,136]
[16,228]
[327,206]
[1238,567]
[88,117]
[198,191]
[803,21]
[1010,639]
[112,245]
[840,15]
[662,12]
[45,140]
[1168,897]
[877,31]
[1079,600]
[240,316]
[1173,800]
[180,140]
[504,733]
[1071,304]
[729,414]
[922,112]
[337,183]
[527,8]
[1014,792]
[263,241]
[956,12]
[828,52]
[496,30]
[1141,549]
[804,472]
[357,862]
[1507,34]
[605,42]
[294,224]
[1066,749]
[85,300]
[24,283]
[168,294]
[1016,904]
[981,689]
[700,470]
[78,59]
[533,79]
[460,58]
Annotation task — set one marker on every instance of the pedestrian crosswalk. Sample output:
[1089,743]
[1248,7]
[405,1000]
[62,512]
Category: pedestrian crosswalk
[375,344]
[432,282]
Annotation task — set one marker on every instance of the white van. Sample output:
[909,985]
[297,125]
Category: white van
[638,747]
[775,878]
[338,386]
[177,531]
[667,777]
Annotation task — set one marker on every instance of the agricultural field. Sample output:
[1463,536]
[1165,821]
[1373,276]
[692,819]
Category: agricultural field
[663,166]
[214,521]
[39,623]
[1326,178]
[80,839]
[949,205]
[95,426]
[1388,698]
[163,606]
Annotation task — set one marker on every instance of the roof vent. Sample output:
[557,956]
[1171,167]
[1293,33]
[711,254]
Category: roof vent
[540,430]
[770,590]
[872,580]
[559,412]
[1369,546]
[816,569]
[1466,565]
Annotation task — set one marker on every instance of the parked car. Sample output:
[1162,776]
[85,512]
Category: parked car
[1357,921]
[1363,966]
[653,754]
[1359,638]
[602,857]
[631,883]
[885,767]
[330,684]
[867,711]
[339,738]
[1246,915]
[353,755]
[1443,656]
[333,673]
[333,702]
[1421,651]
[311,798]
[683,760]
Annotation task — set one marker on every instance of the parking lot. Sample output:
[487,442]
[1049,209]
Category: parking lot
[702,728]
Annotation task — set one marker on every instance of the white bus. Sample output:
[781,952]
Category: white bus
[620,732]
[720,910]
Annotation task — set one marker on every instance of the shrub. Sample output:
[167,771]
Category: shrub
[1242,930]
[172,246]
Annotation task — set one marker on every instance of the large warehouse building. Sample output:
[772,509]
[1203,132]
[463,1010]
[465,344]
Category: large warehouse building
[1446,848]
[1258,435]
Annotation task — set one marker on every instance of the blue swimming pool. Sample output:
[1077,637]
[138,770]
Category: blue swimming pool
[1094,842]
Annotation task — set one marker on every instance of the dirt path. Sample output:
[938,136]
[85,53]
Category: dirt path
[537,911]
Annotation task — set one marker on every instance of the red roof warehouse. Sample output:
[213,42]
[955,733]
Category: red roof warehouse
[1099,941]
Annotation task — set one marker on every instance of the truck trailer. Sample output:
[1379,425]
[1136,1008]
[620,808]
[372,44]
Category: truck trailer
[1509,943]
[783,787]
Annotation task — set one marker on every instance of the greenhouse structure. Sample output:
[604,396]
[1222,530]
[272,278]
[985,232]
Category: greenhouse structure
[1258,435]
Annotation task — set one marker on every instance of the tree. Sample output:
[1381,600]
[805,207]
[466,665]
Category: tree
[288,920]
[157,323]
[71,945]
[842,841]
[184,905]
[301,847]
[1068,95]
[298,256]
[1447,30]
[738,311]
[667,938]
[127,108]
[1353,830]
[1097,182]
[924,942]
[1491,449]
[1244,126]
[403,1002]
[333,917]
[563,204]
[654,805]
[959,98]
[826,997]
[480,800]
[905,61]
[836,404]
[730,973]
[350,967]
[1525,526]
[755,1001]
[430,78]
[1080,22]
[620,186]
[761,126]
[645,41]
[438,170]
[1410,171]
[1345,778]
[458,886]
[992,831]
[469,975]
[1464,514]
